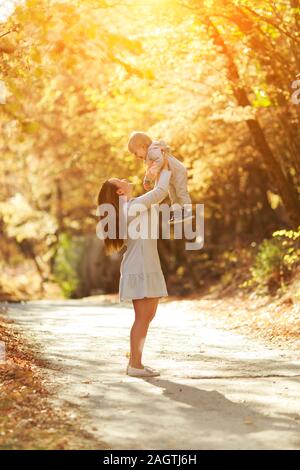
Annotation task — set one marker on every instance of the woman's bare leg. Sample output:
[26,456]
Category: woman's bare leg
[145,310]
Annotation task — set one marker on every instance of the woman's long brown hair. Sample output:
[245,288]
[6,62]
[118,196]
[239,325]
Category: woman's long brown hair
[108,195]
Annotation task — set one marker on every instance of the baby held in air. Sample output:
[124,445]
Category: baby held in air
[152,152]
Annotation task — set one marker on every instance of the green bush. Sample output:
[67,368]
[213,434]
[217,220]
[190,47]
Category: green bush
[275,260]
[67,259]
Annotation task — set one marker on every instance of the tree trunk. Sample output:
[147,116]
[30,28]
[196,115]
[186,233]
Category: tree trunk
[286,190]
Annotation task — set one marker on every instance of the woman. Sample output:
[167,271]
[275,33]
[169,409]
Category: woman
[141,280]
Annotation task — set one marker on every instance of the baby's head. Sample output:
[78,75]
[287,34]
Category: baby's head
[138,144]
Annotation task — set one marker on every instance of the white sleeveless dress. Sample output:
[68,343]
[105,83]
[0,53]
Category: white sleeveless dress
[141,274]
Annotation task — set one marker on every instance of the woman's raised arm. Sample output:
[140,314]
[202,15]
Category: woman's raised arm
[156,195]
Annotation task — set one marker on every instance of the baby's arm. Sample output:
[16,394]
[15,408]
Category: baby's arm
[151,174]
[147,179]
[154,163]
[156,155]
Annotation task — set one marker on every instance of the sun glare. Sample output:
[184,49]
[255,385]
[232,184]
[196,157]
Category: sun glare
[6,8]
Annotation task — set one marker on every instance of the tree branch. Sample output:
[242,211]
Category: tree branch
[5,34]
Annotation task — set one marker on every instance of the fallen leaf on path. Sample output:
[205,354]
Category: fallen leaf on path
[248,420]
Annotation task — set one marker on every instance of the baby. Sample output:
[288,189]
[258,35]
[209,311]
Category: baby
[152,152]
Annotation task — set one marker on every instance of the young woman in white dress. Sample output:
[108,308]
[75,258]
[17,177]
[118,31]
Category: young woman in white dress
[141,280]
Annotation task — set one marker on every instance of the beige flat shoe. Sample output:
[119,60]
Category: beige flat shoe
[145,372]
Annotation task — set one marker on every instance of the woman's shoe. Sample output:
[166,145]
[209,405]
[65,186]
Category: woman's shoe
[145,372]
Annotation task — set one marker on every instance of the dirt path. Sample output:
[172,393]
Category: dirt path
[217,390]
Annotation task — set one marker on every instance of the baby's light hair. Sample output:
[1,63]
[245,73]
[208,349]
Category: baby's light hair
[138,138]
